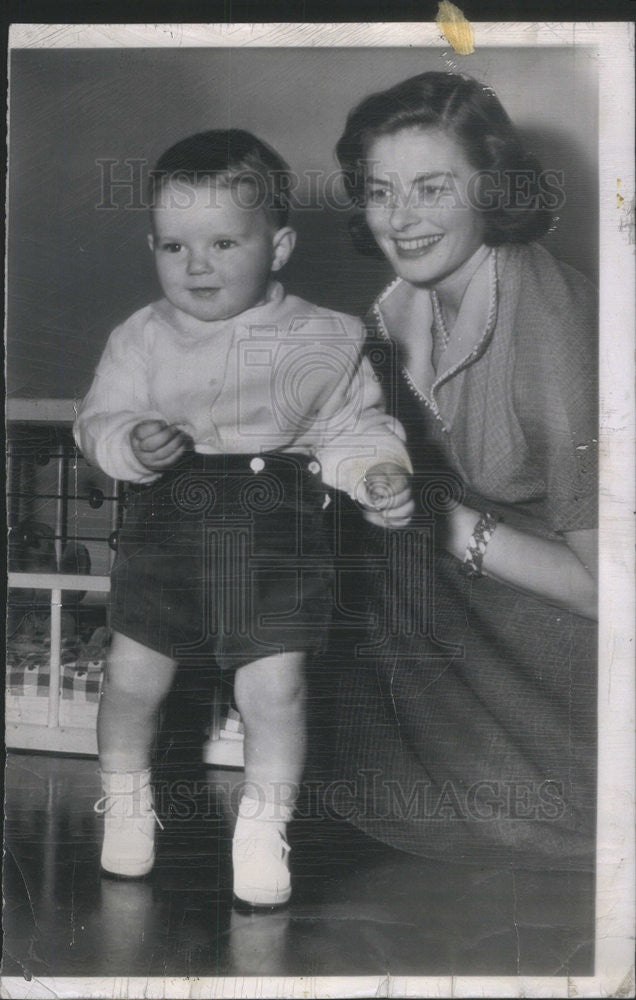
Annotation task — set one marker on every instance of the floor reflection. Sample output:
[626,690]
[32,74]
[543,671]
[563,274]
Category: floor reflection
[358,907]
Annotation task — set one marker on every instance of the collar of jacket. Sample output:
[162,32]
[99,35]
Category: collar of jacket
[401,311]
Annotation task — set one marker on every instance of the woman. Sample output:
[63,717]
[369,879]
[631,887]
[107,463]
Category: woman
[470,728]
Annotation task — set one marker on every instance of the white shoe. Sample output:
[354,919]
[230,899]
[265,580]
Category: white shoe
[129,823]
[260,855]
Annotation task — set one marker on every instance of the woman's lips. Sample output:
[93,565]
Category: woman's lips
[417,246]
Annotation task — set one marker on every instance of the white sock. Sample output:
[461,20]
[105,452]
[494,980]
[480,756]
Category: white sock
[261,809]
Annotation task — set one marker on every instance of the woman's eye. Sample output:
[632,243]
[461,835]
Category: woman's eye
[224,244]
[378,196]
[433,193]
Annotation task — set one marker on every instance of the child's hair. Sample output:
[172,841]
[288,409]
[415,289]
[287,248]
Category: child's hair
[233,157]
[471,114]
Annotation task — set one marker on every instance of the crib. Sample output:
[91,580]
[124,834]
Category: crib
[63,515]
[55,502]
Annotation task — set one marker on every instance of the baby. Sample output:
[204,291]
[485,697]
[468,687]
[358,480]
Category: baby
[228,405]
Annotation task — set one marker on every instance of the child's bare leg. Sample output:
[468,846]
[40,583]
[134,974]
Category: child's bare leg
[270,695]
[136,681]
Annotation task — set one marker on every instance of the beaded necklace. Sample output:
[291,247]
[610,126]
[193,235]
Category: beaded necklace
[493,279]
[438,319]
[439,331]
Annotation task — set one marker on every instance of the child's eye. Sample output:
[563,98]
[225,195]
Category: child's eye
[172,247]
[224,244]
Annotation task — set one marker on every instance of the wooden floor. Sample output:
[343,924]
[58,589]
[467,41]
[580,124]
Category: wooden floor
[358,907]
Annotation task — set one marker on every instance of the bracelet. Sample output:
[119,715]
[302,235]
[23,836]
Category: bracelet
[477,544]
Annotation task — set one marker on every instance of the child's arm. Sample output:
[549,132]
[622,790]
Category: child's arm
[158,445]
[385,495]
[362,448]
[117,403]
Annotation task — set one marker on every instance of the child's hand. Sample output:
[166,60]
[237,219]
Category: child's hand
[158,445]
[386,488]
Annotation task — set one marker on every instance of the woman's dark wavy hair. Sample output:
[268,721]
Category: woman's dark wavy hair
[232,155]
[472,115]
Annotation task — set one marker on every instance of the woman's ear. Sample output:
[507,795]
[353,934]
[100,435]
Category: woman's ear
[284,243]
[151,241]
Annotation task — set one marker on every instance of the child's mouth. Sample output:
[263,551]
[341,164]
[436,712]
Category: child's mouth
[204,293]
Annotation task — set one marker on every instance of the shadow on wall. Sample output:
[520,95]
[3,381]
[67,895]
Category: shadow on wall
[573,238]
[75,272]
[326,269]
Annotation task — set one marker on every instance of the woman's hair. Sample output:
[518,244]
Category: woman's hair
[233,157]
[473,116]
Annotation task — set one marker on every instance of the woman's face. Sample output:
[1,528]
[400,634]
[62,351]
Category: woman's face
[418,203]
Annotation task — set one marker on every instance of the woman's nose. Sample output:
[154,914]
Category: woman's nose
[403,216]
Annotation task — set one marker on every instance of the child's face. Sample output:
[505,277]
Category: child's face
[214,254]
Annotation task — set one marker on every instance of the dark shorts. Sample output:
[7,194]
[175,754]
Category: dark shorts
[226,558]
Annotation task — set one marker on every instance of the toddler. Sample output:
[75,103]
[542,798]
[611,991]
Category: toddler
[227,405]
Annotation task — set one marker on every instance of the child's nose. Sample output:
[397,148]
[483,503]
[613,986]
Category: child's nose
[199,262]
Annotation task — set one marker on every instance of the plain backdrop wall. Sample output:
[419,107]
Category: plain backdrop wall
[75,270]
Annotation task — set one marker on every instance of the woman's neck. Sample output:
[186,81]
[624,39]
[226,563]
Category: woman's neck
[450,290]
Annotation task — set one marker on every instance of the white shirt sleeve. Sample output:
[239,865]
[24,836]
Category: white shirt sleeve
[117,400]
[356,432]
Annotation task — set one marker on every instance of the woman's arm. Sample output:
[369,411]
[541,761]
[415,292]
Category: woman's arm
[554,396]
[559,572]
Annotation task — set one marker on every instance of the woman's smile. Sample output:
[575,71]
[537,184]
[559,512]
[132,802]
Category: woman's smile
[418,205]
[416,246]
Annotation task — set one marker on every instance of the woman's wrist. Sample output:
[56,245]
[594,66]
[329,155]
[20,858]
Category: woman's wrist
[458,525]
[477,545]
[468,533]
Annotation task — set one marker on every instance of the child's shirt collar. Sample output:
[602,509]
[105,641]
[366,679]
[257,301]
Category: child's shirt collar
[197,329]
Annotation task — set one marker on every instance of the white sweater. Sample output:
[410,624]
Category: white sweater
[284,376]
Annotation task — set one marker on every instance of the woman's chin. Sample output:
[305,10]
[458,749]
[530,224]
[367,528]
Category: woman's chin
[417,273]
[423,268]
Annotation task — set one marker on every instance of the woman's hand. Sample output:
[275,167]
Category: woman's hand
[385,496]
[559,572]
[158,445]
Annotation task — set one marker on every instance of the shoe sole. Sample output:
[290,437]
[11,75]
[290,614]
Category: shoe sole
[120,877]
[243,906]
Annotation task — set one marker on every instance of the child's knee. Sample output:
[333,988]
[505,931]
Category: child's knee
[137,673]
[275,682]
[120,682]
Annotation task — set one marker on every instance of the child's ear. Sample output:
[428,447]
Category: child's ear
[284,243]
[151,241]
